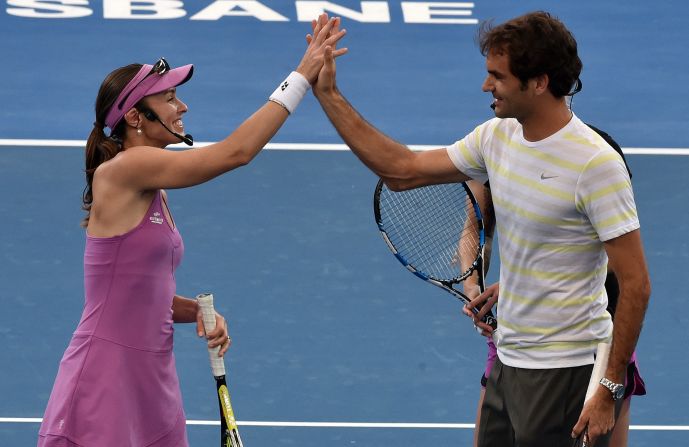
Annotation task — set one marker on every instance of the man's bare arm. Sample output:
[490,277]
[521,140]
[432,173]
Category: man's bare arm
[399,167]
[626,259]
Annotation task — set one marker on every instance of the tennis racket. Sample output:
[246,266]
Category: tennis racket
[436,232]
[599,367]
[229,433]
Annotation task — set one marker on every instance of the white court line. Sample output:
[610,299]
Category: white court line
[337,424]
[308,146]
[357,424]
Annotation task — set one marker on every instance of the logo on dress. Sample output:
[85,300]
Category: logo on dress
[156,218]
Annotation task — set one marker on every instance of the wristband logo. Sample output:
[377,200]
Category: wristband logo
[284,86]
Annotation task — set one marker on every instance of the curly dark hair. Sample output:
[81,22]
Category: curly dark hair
[536,43]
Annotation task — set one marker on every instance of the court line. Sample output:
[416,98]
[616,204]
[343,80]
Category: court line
[8,142]
[357,424]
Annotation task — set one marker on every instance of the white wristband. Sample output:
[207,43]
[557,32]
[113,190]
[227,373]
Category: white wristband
[291,91]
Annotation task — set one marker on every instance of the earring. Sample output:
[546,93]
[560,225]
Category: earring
[138,131]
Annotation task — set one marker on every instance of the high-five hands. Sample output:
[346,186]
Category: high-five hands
[322,46]
[326,76]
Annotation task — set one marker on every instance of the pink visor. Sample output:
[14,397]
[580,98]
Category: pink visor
[146,82]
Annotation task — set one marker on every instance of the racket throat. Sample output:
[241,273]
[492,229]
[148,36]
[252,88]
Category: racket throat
[226,407]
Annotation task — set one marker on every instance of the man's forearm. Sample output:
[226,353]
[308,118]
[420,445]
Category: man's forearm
[380,153]
[629,316]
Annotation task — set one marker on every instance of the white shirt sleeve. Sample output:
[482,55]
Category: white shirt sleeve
[604,194]
[467,154]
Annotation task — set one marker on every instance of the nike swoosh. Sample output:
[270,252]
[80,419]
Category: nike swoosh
[546,177]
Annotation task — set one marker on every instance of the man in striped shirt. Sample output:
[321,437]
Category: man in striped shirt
[565,211]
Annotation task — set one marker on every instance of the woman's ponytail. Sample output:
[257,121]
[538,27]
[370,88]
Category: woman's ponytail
[99,147]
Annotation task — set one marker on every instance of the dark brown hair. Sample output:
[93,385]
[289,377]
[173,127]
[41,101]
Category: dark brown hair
[99,147]
[536,44]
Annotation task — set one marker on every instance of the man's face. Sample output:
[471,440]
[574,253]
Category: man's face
[512,99]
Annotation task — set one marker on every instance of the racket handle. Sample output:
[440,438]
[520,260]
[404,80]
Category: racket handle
[205,301]
[599,367]
[490,320]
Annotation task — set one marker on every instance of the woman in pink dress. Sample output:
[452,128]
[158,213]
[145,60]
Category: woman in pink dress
[117,385]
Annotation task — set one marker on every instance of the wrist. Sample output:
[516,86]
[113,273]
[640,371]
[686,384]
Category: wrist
[291,91]
[616,390]
[300,70]
[327,95]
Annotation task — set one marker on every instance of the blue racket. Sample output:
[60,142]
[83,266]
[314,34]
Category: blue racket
[436,232]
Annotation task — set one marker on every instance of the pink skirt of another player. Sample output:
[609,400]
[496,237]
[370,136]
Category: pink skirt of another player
[634,384]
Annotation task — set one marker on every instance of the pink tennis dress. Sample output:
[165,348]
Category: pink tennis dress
[117,385]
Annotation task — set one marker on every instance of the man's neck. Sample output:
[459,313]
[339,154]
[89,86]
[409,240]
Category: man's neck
[545,121]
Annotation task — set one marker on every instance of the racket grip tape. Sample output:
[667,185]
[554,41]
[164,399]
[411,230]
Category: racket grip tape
[599,367]
[205,301]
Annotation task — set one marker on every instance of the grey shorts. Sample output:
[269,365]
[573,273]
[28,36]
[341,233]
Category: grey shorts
[533,407]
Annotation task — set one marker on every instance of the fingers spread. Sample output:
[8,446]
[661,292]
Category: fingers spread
[335,37]
[339,52]
[317,25]
[336,26]
[322,23]
[324,32]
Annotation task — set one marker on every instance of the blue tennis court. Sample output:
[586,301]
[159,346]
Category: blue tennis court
[334,343]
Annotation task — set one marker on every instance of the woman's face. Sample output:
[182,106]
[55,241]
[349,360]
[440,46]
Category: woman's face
[169,108]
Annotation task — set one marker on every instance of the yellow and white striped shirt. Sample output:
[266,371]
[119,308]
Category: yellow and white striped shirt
[556,201]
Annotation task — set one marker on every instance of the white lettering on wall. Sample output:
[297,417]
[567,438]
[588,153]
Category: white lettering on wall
[438,12]
[143,9]
[63,9]
[221,8]
[371,12]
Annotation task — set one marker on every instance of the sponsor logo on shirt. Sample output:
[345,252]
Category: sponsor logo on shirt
[156,218]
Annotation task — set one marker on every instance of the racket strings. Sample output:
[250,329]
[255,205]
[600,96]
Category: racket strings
[236,440]
[434,228]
